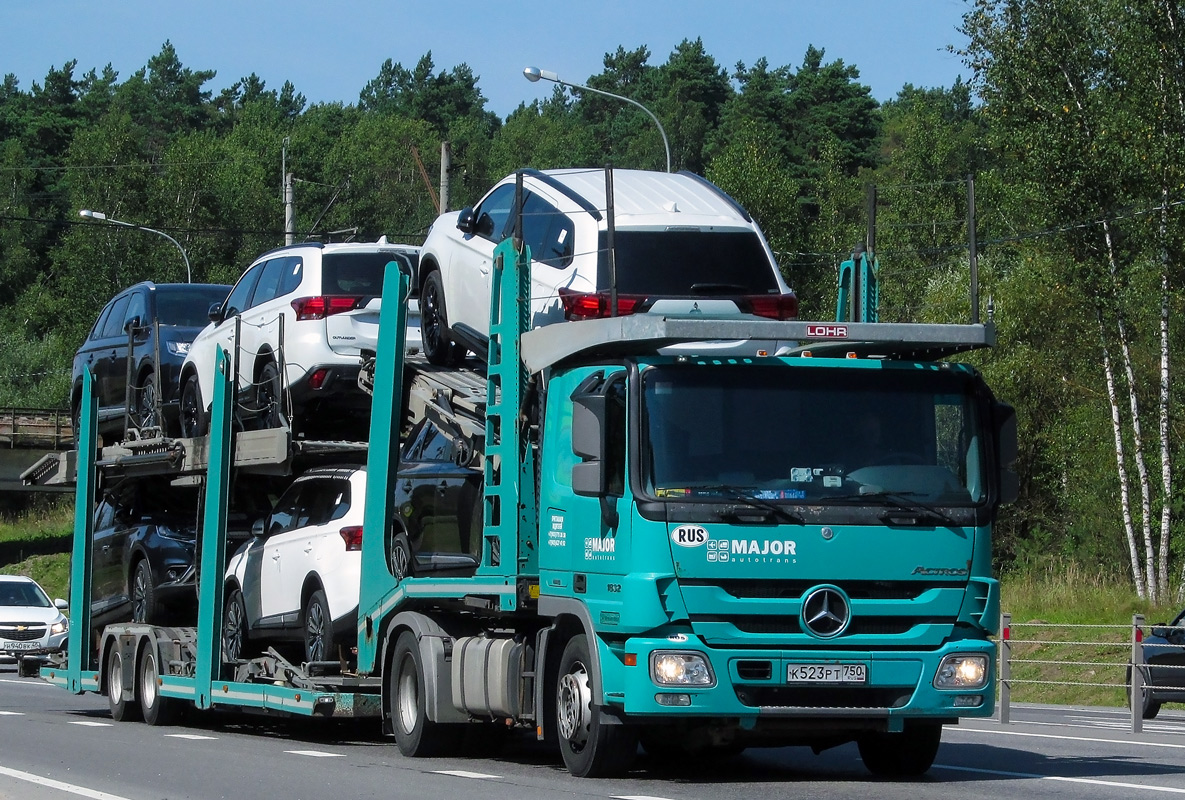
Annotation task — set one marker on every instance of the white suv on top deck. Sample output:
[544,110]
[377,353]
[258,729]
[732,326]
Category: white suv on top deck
[682,246]
[300,318]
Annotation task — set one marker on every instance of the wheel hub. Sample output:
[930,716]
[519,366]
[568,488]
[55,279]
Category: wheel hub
[574,705]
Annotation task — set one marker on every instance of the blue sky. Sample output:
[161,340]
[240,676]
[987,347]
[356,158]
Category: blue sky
[331,49]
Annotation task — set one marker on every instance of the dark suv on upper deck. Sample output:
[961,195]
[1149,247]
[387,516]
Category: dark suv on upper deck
[154,323]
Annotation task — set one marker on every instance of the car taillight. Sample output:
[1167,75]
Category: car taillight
[324,306]
[773,306]
[317,379]
[595,305]
[352,536]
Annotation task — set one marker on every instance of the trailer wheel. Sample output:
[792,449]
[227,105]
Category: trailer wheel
[122,704]
[591,748]
[157,710]
[415,734]
[27,667]
[901,755]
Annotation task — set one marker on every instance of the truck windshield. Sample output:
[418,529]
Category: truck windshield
[812,435]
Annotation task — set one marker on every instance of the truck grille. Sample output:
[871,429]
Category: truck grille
[793,590]
[12,631]
[862,626]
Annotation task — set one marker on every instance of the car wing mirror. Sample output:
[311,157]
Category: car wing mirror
[1160,630]
[258,527]
[465,220]
[215,312]
[60,604]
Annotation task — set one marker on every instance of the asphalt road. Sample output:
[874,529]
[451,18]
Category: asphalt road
[57,745]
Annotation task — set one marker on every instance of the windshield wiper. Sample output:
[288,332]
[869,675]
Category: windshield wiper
[744,495]
[922,513]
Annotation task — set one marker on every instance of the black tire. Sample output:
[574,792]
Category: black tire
[234,627]
[146,404]
[901,755]
[155,709]
[590,747]
[400,559]
[438,346]
[123,705]
[269,397]
[1149,708]
[194,420]
[27,667]
[318,628]
[416,735]
[142,592]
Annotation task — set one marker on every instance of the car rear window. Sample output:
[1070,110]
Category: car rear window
[356,273]
[688,263]
[187,306]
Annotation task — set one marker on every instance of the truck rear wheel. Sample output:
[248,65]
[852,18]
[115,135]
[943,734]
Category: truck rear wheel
[122,703]
[591,748]
[901,755]
[415,734]
[157,710]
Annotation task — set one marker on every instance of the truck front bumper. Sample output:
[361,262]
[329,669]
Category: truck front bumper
[763,684]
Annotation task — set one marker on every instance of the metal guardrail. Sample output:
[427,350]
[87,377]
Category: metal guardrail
[1127,642]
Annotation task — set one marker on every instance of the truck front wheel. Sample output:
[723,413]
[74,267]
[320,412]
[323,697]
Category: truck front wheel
[591,747]
[415,734]
[901,755]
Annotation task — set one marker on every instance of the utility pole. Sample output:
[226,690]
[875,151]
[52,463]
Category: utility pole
[971,246]
[289,208]
[445,167]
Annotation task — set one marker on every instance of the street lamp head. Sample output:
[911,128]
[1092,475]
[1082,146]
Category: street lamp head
[533,74]
[86,212]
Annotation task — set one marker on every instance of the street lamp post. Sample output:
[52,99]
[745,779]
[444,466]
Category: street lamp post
[534,74]
[99,215]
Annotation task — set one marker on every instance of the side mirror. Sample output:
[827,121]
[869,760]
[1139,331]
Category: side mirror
[60,604]
[465,220]
[258,526]
[1007,450]
[132,326]
[1161,631]
[215,312]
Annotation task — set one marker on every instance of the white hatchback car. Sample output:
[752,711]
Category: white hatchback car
[681,246]
[31,627]
[297,579]
[298,322]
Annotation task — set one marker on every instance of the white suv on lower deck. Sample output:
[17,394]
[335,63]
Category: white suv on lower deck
[680,245]
[297,323]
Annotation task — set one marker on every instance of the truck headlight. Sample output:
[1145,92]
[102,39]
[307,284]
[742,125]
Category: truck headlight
[962,671]
[680,669]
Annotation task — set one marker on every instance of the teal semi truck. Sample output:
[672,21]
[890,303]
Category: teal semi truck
[689,554]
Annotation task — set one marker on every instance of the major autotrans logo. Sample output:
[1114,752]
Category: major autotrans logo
[739,551]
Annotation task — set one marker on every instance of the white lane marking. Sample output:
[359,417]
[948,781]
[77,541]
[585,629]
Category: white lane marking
[1117,725]
[1070,738]
[12,713]
[92,724]
[194,736]
[315,753]
[460,773]
[28,683]
[636,797]
[29,777]
[1090,781]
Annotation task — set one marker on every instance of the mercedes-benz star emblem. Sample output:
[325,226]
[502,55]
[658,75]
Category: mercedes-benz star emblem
[825,612]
